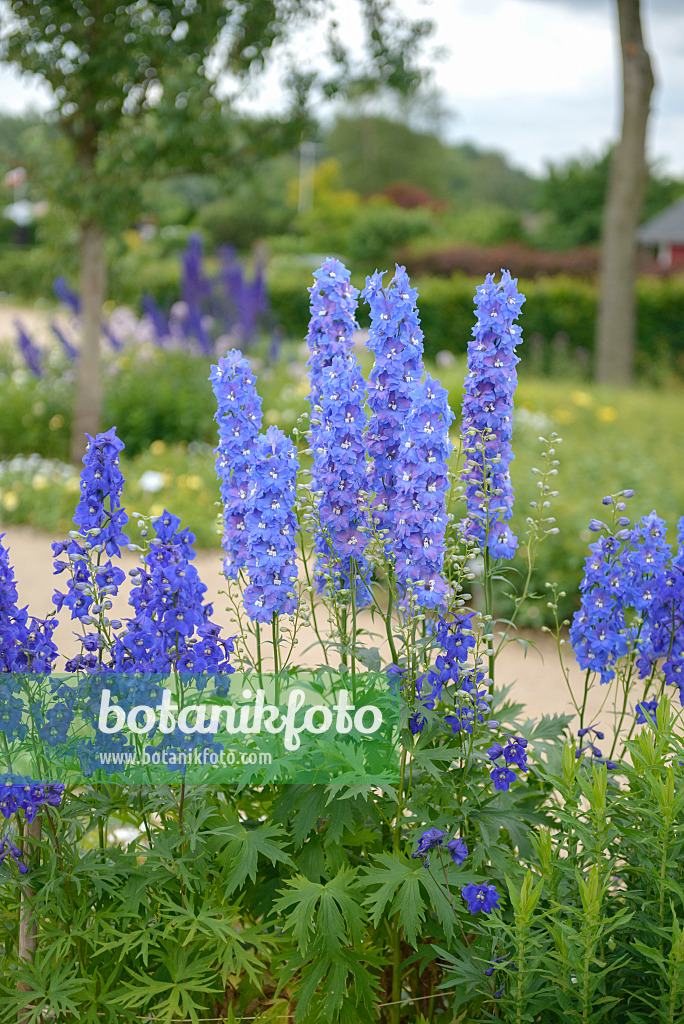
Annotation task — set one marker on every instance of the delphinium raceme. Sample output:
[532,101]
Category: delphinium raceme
[338,476]
[599,633]
[239,421]
[93,580]
[487,424]
[456,639]
[26,651]
[332,323]
[396,341]
[170,635]
[172,627]
[26,643]
[434,839]
[513,753]
[656,591]
[271,526]
[422,482]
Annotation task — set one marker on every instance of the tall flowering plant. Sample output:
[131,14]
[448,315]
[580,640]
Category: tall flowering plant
[487,426]
[470,865]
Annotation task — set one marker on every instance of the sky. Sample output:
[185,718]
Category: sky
[536,79]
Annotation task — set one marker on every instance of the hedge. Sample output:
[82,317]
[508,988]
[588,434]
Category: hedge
[553,305]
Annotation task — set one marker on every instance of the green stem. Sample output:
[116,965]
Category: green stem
[276,660]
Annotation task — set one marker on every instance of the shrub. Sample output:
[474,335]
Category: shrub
[383,229]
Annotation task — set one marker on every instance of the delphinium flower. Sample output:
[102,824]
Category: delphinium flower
[587,745]
[497,964]
[480,898]
[646,560]
[456,639]
[396,341]
[656,591]
[196,289]
[513,753]
[598,633]
[93,580]
[471,704]
[271,528]
[29,350]
[487,425]
[332,323]
[238,417]
[22,793]
[338,475]
[432,839]
[646,711]
[422,481]
[172,625]
[26,643]
[7,846]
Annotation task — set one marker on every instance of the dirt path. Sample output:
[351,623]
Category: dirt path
[534,671]
[36,322]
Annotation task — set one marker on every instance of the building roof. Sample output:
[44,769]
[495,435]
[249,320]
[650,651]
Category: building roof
[666,228]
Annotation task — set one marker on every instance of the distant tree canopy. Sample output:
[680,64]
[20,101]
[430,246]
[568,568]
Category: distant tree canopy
[573,194]
[374,152]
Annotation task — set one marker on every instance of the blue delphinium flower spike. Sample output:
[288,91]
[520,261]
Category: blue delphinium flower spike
[487,425]
[338,475]
[239,421]
[421,482]
[332,323]
[271,526]
[396,340]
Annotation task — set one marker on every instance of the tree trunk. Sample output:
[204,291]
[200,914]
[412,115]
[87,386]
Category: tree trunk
[28,928]
[88,399]
[616,324]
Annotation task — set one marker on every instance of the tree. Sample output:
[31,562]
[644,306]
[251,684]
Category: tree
[616,322]
[135,87]
[573,196]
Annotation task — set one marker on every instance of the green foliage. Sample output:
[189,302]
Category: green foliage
[553,305]
[382,229]
[573,195]
[376,151]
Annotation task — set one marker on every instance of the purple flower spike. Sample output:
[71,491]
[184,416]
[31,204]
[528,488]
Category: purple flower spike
[422,481]
[239,421]
[332,324]
[24,643]
[396,340]
[271,526]
[338,475]
[487,426]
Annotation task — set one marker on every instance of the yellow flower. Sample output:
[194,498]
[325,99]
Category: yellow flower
[40,482]
[72,485]
[158,448]
[10,501]
[156,510]
[582,398]
[563,415]
[56,422]
[194,482]
[606,414]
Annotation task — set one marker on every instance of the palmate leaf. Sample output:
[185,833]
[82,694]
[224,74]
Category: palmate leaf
[50,986]
[241,854]
[185,976]
[325,914]
[407,889]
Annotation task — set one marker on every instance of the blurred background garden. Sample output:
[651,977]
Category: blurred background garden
[209,213]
